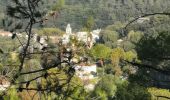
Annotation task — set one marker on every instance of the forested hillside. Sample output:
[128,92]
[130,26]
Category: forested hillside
[104,12]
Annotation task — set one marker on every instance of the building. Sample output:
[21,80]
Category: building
[5,33]
[86,72]
[66,37]
[89,38]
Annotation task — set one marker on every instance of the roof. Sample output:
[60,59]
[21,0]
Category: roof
[5,33]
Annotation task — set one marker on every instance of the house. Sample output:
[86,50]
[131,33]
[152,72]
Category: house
[82,36]
[86,72]
[89,38]
[5,33]
[9,34]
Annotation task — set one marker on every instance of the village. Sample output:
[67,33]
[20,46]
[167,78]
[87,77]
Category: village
[85,69]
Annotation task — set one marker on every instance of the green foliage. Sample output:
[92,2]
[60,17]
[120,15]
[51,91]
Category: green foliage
[117,26]
[78,93]
[130,56]
[109,38]
[105,12]
[109,69]
[117,55]
[50,32]
[127,45]
[106,88]
[134,37]
[12,94]
[132,92]
[89,23]
[7,24]
[158,92]
[109,14]
[59,5]
[153,51]
[100,51]
[154,48]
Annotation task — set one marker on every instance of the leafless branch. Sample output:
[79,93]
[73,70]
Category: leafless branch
[166,72]
[40,70]
[142,16]
[165,97]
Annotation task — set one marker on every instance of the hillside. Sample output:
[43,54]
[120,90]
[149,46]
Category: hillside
[84,49]
[104,12]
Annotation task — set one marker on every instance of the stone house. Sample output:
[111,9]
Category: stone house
[86,72]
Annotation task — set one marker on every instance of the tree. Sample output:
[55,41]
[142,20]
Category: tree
[132,91]
[105,89]
[159,93]
[109,38]
[134,37]
[100,51]
[145,15]
[48,57]
[118,55]
[152,51]
[154,59]
[154,47]
[89,23]
[59,5]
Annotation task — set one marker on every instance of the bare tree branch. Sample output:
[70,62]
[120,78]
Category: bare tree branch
[40,70]
[165,97]
[166,72]
[145,15]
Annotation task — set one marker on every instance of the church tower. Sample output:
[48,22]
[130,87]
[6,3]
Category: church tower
[68,29]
